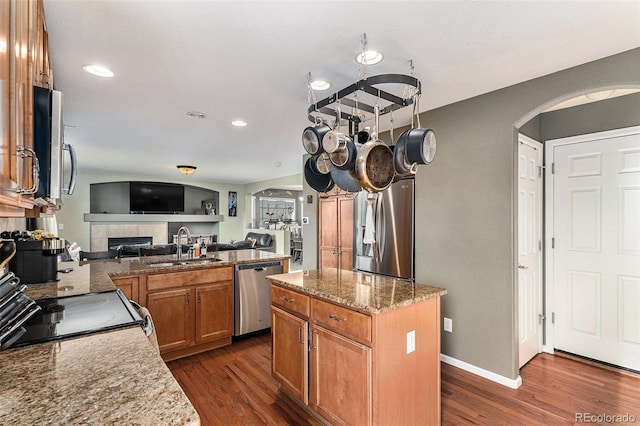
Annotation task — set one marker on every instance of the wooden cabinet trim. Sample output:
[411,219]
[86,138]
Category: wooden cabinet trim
[292,301]
[167,280]
[347,322]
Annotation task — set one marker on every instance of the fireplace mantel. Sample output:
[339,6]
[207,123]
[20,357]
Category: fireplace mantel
[133,218]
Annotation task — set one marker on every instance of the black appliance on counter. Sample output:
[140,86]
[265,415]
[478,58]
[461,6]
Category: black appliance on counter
[36,261]
[71,316]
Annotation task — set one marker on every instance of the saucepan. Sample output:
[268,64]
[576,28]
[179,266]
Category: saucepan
[312,137]
[318,181]
[420,146]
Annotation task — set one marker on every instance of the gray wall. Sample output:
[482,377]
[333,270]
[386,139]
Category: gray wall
[466,236]
[466,229]
[609,114]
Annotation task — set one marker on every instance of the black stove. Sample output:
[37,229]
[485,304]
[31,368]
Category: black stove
[70,316]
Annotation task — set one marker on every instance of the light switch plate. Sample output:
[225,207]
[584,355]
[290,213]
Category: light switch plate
[448,324]
[411,341]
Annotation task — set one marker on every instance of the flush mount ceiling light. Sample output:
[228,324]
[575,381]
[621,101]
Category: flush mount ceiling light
[186,170]
[98,70]
[239,123]
[598,96]
[196,114]
[319,84]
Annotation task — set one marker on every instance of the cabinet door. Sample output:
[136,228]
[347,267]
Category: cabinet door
[172,316]
[130,286]
[214,311]
[340,378]
[345,232]
[289,354]
[328,233]
[5,82]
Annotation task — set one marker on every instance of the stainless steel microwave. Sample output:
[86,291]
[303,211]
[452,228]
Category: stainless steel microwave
[48,143]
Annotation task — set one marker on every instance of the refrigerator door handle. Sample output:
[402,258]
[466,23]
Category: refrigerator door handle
[379,228]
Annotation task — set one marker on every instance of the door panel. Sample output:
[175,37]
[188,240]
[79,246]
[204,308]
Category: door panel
[214,311]
[345,232]
[529,249]
[596,260]
[171,313]
[289,354]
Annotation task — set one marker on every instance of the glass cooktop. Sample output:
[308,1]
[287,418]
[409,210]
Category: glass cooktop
[70,316]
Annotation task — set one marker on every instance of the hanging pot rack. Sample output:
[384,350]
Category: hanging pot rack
[330,106]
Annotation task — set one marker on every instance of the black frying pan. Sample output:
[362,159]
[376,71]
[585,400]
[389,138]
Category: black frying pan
[346,179]
[319,182]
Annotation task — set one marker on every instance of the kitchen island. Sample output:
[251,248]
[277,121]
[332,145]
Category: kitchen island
[357,348]
[114,377]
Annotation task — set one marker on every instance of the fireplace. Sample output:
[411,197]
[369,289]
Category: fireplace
[115,242]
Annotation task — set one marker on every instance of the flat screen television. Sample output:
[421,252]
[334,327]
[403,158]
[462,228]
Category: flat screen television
[155,197]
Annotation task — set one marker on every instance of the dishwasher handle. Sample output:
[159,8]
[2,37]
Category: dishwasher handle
[261,266]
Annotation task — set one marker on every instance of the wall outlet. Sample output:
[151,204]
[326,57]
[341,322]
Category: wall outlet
[411,341]
[448,324]
[61,226]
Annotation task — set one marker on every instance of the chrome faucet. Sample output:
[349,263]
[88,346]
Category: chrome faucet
[185,230]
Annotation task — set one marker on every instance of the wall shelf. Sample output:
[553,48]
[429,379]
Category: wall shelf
[130,218]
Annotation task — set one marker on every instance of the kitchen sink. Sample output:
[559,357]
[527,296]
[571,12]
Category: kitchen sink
[183,262]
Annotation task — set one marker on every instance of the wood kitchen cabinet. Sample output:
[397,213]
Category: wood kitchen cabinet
[289,355]
[360,370]
[23,63]
[130,286]
[335,233]
[192,310]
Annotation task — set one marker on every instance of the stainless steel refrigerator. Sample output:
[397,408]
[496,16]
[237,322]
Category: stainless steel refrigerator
[384,231]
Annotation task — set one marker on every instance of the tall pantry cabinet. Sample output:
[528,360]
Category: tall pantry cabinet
[24,63]
[335,231]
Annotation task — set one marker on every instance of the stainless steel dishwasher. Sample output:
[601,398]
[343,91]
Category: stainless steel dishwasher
[253,296]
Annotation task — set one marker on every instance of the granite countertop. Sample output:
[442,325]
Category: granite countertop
[362,291]
[114,377]
[95,276]
[107,378]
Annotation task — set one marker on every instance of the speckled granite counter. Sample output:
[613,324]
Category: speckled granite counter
[93,277]
[114,377]
[107,378]
[359,290]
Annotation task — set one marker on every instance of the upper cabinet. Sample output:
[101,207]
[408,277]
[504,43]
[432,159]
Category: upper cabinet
[24,62]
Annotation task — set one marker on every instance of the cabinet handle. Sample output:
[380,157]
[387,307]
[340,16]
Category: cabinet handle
[199,296]
[335,318]
[312,346]
[188,298]
[284,299]
[23,153]
[300,330]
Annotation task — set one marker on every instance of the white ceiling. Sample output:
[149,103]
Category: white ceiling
[250,60]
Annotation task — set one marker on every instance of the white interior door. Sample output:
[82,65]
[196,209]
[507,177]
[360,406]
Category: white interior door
[529,248]
[596,259]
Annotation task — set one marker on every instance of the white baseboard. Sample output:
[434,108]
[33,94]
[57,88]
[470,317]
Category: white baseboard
[505,381]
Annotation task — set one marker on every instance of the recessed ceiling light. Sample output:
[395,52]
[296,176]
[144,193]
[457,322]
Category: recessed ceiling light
[369,57]
[98,70]
[196,114]
[238,123]
[320,84]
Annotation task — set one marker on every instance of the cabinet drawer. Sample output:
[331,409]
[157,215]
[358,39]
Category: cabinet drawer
[290,300]
[342,320]
[187,278]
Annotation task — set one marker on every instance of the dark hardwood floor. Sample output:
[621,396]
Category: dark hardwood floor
[233,386]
